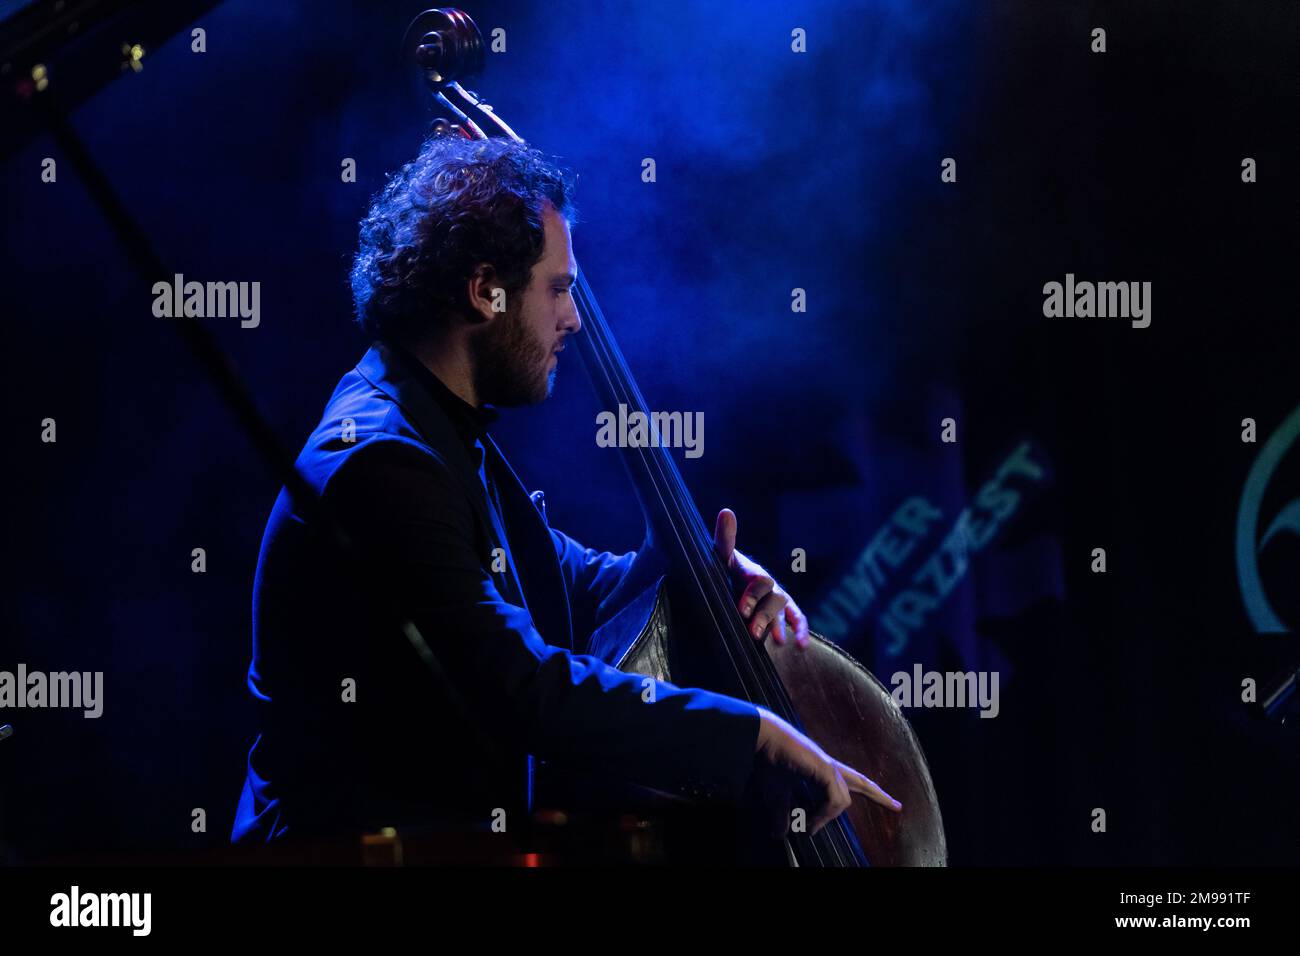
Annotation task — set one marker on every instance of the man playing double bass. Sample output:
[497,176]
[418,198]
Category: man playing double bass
[463,280]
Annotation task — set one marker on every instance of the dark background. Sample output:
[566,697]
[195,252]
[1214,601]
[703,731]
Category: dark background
[775,171]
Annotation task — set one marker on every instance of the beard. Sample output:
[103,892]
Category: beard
[511,367]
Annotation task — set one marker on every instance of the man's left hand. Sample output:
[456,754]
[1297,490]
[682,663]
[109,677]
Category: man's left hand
[763,603]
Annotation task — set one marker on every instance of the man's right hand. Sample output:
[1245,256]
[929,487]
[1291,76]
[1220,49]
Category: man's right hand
[790,757]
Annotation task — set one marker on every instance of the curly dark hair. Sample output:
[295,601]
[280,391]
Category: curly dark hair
[459,203]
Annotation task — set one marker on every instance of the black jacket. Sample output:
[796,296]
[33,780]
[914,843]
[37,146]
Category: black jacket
[354,731]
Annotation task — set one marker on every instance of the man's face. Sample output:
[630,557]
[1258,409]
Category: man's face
[516,355]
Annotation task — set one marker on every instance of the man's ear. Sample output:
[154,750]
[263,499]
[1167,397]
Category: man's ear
[487,299]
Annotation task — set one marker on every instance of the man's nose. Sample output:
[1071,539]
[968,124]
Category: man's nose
[572,321]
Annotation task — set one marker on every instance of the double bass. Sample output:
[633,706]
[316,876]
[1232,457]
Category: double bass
[821,690]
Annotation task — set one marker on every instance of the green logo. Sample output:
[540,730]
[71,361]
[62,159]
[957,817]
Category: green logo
[1249,543]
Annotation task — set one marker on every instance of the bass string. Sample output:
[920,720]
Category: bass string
[668,485]
[704,559]
[617,379]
